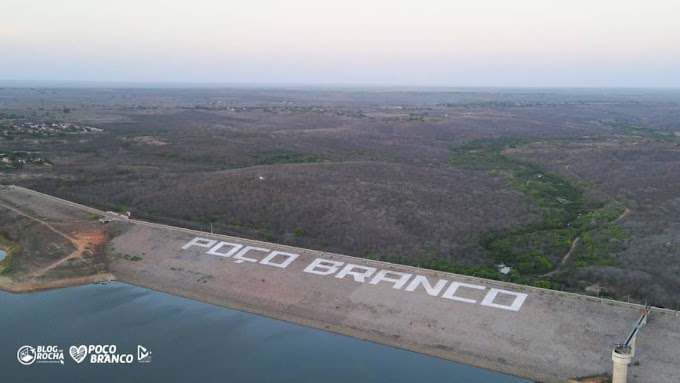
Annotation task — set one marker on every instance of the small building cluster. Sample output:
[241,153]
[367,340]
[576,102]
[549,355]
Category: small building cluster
[45,129]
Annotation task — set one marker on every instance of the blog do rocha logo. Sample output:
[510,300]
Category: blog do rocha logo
[28,355]
[91,354]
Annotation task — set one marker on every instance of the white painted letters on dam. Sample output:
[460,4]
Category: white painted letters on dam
[362,274]
[450,290]
[273,258]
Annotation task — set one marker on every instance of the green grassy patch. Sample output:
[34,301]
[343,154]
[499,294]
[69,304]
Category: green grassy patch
[433,261]
[638,131]
[93,217]
[484,154]
[597,244]
[284,157]
[13,249]
[127,257]
[536,248]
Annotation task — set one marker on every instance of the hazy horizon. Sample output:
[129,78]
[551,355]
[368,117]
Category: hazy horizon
[75,84]
[488,44]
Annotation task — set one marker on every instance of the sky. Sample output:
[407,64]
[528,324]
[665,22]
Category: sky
[505,43]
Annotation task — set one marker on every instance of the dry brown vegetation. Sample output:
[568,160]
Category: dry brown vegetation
[49,246]
[373,173]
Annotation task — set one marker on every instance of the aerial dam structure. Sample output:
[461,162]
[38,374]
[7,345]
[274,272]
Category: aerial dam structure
[543,335]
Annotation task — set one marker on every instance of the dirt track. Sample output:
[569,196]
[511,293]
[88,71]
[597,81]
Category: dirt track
[551,336]
[34,279]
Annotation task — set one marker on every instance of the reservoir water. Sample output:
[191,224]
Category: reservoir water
[193,341]
[3,254]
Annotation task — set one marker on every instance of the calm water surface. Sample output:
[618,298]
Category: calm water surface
[3,254]
[197,342]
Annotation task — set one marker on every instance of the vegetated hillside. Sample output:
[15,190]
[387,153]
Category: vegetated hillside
[20,235]
[360,208]
[452,180]
[640,174]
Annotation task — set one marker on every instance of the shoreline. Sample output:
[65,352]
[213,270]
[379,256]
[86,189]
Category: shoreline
[478,361]
[470,360]
[538,334]
[25,287]
[29,288]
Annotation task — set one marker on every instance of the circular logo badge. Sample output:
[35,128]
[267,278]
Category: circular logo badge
[26,355]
